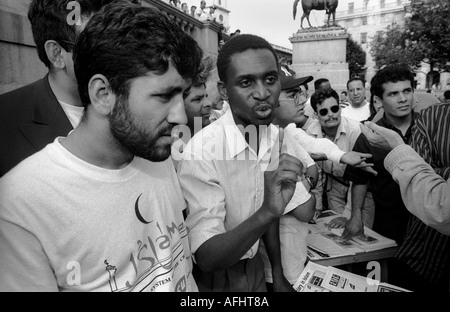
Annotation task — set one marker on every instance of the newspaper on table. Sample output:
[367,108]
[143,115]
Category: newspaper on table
[319,278]
[327,243]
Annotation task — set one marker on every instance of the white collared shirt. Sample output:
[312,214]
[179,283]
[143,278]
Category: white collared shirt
[222,177]
[347,133]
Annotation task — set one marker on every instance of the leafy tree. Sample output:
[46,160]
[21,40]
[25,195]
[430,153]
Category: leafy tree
[393,47]
[429,30]
[424,38]
[356,58]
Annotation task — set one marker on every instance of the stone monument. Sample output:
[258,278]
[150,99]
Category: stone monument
[321,53]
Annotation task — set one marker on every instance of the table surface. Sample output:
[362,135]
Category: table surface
[380,254]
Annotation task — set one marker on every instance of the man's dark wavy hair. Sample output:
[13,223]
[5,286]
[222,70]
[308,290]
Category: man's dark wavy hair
[127,41]
[48,20]
[239,44]
[391,73]
[320,96]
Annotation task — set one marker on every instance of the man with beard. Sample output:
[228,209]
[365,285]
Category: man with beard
[101,210]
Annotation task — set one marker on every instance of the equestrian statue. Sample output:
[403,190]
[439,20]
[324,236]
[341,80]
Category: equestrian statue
[308,5]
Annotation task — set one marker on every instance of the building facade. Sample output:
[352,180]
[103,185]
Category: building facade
[20,64]
[363,19]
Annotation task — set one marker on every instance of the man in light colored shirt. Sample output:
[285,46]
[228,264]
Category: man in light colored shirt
[359,108]
[101,209]
[343,132]
[234,194]
[200,13]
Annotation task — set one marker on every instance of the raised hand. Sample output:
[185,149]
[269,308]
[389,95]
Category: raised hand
[281,180]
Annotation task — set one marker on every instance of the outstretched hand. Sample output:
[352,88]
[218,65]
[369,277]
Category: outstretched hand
[381,137]
[358,160]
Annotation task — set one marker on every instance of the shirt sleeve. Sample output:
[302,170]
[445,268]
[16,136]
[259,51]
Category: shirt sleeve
[205,200]
[425,193]
[422,143]
[318,145]
[24,266]
[295,149]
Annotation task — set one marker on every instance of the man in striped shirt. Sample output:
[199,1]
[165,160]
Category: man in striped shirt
[425,250]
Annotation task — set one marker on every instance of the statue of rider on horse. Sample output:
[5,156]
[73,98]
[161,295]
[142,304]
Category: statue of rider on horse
[308,5]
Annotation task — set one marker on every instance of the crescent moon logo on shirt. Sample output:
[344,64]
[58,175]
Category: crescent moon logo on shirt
[138,213]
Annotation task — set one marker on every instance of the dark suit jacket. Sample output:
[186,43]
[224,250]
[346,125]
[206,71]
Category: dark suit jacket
[30,118]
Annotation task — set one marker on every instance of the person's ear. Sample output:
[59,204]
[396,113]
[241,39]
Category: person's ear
[222,90]
[55,54]
[101,96]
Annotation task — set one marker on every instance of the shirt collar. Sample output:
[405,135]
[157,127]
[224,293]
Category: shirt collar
[384,122]
[316,128]
[235,140]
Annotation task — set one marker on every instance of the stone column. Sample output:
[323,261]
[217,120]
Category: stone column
[321,53]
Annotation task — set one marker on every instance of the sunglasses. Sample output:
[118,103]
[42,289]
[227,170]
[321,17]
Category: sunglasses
[324,111]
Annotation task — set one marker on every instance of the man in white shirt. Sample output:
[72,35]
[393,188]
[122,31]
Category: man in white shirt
[234,177]
[200,13]
[343,132]
[101,210]
[359,108]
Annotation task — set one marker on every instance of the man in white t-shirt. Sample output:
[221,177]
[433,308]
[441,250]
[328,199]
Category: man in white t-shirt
[359,108]
[101,210]
[200,13]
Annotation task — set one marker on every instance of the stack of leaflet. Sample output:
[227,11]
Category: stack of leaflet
[324,242]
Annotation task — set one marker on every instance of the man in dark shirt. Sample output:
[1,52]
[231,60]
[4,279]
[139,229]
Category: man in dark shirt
[34,115]
[393,87]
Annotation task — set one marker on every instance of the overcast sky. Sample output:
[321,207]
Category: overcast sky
[270,19]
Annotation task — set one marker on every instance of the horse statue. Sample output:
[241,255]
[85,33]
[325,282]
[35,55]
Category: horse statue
[308,5]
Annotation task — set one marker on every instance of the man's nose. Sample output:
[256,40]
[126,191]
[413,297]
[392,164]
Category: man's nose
[402,97]
[261,91]
[177,112]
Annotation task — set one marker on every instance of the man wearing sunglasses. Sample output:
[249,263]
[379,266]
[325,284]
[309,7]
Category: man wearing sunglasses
[343,132]
[34,115]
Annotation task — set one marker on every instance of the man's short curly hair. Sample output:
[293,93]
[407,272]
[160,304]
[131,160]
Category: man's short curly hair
[320,96]
[239,44]
[48,20]
[127,41]
[391,73]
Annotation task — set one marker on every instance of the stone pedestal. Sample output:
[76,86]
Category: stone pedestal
[321,53]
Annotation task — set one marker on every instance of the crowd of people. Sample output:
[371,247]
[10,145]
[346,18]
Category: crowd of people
[202,12]
[166,170]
